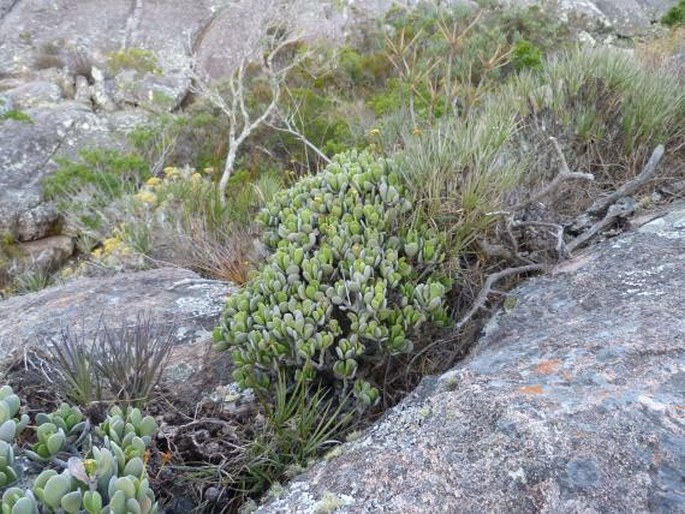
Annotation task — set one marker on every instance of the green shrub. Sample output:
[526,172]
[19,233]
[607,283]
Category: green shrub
[526,55]
[16,115]
[138,59]
[347,287]
[608,112]
[110,172]
[675,15]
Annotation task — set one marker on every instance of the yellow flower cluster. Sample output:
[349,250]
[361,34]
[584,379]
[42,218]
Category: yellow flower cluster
[172,172]
[146,196]
[111,246]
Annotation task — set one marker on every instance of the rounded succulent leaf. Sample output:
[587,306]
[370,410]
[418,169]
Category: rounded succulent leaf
[56,442]
[92,502]
[8,431]
[23,506]
[71,502]
[135,467]
[55,488]
[117,503]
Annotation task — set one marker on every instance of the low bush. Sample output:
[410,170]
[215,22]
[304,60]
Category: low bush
[110,173]
[675,16]
[347,288]
[607,113]
[137,59]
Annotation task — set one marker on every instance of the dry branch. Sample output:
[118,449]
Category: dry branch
[482,297]
[565,174]
[618,210]
[630,187]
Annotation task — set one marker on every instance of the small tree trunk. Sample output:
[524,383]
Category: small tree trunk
[228,171]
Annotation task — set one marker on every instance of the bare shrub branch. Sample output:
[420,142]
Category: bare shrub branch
[487,289]
[631,186]
[564,175]
[270,60]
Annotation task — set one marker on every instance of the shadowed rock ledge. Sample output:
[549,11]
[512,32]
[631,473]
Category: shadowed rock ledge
[574,401]
[174,299]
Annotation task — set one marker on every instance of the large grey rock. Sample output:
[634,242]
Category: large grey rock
[626,17]
[172,297]
[34,94]
[41,256]
[574,402]
[29,150]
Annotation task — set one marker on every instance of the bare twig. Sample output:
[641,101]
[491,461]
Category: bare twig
[482,297]
[631,186]
[621,209]
[477,304]
[193,281]
[243,121]
[289,129]
[564,175]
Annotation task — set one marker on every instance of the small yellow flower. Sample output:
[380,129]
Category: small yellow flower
[97,252]
[417,131]
[196,177]
[146,196]
[90,465]
[110,244]
[153,181]
[171,172]
[374,132]
[209,171]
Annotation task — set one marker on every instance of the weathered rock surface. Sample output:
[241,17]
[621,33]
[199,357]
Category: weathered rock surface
[45,255]
[172,297]
[574,402]
[29,150]
[627,18]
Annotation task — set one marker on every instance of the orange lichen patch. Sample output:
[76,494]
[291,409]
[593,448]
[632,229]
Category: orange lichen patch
[547,367]
[534,389]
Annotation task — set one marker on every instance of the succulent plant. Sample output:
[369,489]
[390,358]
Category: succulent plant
[127,434]
[113,480]
[347,286]
[68,418]
[130,495]
[63,430]
[8,471]
[122,426]
[51,441]
[10,425]
[93,486]
[16,501]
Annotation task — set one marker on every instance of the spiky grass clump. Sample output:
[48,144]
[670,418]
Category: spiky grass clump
[607,112]
[125,363]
